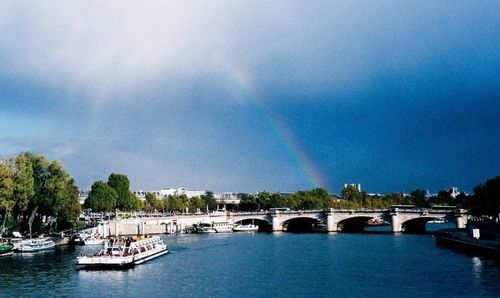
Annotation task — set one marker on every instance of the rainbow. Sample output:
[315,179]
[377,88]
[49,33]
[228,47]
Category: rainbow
[283,134]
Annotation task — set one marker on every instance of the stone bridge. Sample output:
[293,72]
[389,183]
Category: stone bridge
[331,220]
[400,219]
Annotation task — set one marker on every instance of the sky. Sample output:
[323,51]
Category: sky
[248,96]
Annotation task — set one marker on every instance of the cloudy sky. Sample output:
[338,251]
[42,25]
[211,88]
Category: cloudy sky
[255,95]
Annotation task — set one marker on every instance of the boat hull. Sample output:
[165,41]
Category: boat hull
[246,228]
[5,254]
[36,245]
[150,257]
[119,257]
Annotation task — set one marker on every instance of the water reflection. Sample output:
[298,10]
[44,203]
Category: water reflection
[477,268]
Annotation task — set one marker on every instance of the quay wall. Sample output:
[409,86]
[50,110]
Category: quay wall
[163,225]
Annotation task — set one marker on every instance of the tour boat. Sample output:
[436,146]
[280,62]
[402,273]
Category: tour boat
[32,245]
[246,228]
[215,227]
[6,249]
[122,253]
[376,222]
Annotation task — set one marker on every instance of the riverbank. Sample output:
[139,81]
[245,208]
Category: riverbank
[460,239]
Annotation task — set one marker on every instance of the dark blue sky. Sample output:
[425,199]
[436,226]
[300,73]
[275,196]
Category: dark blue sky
[277,96]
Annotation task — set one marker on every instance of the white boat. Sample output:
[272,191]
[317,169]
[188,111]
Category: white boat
[32,245]
[437,221]
[246,228]
[215,227]
[94,241]
[124,253]
[320,227]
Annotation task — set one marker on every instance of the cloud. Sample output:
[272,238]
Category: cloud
[165,89]
[101,50]
[107,49]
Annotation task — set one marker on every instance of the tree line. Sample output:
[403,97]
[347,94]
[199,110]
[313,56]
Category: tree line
[36,192]
[115,195]
[485,202]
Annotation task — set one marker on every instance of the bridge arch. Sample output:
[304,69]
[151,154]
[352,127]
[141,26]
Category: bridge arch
[304,224]
[354,224]
[417,225]
[262,223]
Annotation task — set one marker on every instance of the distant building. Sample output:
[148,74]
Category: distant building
[220,198]
[355,185]
[454,192]
[227,198]
[165,192]
[83,194]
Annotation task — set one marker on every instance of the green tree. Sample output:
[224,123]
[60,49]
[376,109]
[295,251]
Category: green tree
[24,182]
[152,203]
[71,209]
[351,193]
[209,200]
[263,198]
[174,203]
[126,199]
[196,203]
[276,200]
[6,191]
[102,197]
[42,189]
[248,202]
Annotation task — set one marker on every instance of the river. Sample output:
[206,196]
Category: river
[266,265]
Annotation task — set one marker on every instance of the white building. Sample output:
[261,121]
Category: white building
[221,198]
[355,185]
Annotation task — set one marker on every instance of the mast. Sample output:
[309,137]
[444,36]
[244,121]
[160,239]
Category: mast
[32,217]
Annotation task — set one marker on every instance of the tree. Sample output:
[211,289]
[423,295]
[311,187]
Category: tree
[418,198]
[126,199]
[248,202]
[276,200]
[263,199]
[486,199]
[443,198]
[351,193]
[102,198]
[24,182]
[196,203]
[152,202]
[174,203]
[6,191]
[71,209]
[209,200]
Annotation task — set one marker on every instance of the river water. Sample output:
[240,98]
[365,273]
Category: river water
[266,265]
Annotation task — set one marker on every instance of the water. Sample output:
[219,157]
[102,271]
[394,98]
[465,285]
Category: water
[266,265]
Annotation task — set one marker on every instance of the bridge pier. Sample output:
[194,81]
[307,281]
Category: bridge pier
[396,223]
[277,224]
[331,225]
